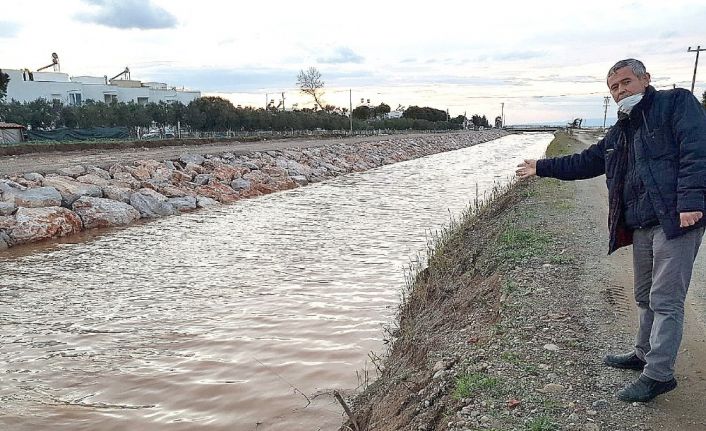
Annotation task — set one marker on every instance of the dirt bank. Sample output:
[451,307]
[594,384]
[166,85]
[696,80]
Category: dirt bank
[506,327]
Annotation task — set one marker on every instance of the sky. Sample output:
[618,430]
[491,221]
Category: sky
[546,61]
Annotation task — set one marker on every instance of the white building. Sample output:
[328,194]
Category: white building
[25,86]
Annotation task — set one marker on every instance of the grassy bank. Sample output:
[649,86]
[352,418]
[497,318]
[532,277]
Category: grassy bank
[490,334]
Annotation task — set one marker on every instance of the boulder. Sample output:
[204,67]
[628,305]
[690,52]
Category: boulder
[240,184]
[73,171]
[247,164]
[151,204]
[170,165]
[125,178]
[7,208]
[257,177]
[162,174]
[33,198]
[94,170]
[192,159]
[99,212]
[120,194]
[184,203]
[7,222]
[202,179]
[300,179]
[172,191]
[193,169]
[71,189]
[33,176]
[274,171]
[38,224]
[93,179]
[204,202]
[4,240]
[220,192]
[140,172]
[179,177]
[224,172]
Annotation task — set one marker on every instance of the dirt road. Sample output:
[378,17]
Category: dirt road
[51,161]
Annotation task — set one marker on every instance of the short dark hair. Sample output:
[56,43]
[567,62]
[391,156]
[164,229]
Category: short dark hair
[637,67]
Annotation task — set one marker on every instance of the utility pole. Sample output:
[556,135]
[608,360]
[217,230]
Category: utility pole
[502,114]
[283,101]
[696,64]
[350,108]
[266,97]
[605,110]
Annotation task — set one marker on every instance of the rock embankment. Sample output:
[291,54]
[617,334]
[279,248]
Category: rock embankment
[35,206]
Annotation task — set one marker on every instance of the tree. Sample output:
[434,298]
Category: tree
[4,81]
[424,113]
[309,82]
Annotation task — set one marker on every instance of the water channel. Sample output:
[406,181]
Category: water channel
[242,317]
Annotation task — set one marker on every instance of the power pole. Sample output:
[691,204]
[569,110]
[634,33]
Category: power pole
[350,108]
[696,64]
[605,110]
[283,101]
[502,114]
[266,97]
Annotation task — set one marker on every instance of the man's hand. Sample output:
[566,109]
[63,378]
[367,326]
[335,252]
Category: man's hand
[527,169]
[690,218]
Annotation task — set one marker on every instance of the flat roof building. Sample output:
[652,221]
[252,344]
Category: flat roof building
[26,86]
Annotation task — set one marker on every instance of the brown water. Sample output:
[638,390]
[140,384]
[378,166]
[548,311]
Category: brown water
[243,317]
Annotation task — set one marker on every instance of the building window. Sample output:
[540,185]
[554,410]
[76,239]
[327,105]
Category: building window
[75,99]
[56,98]
[111,98]
[142,100]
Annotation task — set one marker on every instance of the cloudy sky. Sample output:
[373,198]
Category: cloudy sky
[545,60]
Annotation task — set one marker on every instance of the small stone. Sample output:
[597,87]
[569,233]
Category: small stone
[484,419]
[591,427]
[573,417]
[552,347]
[591,412]
[552,388]
[600,404]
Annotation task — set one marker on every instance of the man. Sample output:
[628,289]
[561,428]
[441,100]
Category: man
[654,159]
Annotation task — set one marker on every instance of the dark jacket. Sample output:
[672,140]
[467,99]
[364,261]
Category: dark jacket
[670,159]
[638,211]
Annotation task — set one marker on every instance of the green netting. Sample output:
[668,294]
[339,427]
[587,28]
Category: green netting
[79,134]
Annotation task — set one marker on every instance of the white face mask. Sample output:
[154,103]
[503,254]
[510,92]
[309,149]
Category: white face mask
[625,105]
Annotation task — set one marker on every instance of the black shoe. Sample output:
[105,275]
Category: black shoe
[644,389]
[628,361]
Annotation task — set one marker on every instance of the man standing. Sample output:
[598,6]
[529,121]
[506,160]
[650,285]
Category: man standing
[654,160]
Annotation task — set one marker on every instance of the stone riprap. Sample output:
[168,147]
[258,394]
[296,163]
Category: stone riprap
[36,207]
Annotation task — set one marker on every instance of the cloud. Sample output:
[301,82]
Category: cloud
[340,55]
[128,14]
[246,79]
[512,56]
[8,29]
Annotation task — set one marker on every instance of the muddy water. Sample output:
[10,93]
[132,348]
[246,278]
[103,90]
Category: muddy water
[236,318]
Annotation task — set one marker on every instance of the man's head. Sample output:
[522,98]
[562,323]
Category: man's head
[626,78]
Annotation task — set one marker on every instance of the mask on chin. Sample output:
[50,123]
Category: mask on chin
[625,105]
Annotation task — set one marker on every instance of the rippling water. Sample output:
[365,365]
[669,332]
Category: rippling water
[228,318]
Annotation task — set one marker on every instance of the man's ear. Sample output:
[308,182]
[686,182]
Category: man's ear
[648,78]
